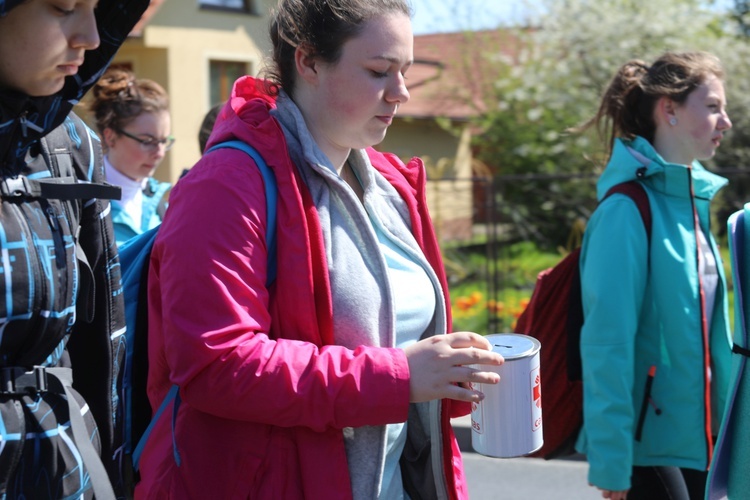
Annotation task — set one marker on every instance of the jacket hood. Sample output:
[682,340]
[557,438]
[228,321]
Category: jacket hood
[25,119]
[244,112]
[247,111]
[638,160]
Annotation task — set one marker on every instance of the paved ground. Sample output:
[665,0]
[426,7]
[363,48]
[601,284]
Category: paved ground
[521,478]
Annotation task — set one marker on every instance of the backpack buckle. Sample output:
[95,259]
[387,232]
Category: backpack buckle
[15,187]
[15,380]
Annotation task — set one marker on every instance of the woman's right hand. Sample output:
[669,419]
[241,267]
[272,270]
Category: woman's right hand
[437,367]
[614,495]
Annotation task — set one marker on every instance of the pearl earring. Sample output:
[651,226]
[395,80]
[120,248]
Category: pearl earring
[673,121]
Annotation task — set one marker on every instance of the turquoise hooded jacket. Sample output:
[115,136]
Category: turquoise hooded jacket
[654,374]
[154,204]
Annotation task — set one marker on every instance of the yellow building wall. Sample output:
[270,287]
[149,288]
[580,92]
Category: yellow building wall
[448,161]
[176,49]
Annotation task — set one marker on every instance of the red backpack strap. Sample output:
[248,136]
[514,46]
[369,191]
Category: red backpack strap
[635,191]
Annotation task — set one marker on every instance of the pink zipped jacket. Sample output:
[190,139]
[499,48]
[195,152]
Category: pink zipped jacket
[264,393]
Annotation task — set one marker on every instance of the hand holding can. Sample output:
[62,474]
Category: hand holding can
[445,366]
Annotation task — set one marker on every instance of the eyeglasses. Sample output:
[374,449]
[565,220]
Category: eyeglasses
[150,145]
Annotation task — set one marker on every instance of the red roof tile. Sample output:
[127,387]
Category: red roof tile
[452,74]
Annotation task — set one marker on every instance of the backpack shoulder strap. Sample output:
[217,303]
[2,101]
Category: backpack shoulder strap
[138,250]
[70,161]
[635,191]
[269,182]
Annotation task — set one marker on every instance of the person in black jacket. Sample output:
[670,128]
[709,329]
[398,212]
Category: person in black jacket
[61,311]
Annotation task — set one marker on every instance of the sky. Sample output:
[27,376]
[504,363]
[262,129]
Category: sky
[440,16]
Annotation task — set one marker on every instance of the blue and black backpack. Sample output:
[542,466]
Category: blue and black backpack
[134,259]
[57,382]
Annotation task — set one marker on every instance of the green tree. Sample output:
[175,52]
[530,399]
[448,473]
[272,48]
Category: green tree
[567,60]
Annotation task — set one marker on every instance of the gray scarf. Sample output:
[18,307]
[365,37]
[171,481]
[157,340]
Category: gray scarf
[363,308]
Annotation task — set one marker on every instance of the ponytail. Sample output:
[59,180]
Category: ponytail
[627,106]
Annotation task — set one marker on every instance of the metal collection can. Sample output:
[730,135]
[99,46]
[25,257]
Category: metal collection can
[508,422]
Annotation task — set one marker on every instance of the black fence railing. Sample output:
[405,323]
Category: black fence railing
[492,227]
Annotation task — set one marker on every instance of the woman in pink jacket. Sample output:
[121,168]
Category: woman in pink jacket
[337,380]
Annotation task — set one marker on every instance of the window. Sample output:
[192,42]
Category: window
[248,6]
[223,75]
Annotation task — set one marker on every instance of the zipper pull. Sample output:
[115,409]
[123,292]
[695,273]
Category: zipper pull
[657,410]
[651,375]
[24,128]
[52,216]
[647,400]
[57,237]
[26,125]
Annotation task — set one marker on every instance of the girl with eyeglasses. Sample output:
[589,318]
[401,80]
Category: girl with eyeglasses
[132,116]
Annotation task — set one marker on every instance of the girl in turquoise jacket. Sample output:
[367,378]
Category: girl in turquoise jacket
[655,343]
[132,116]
